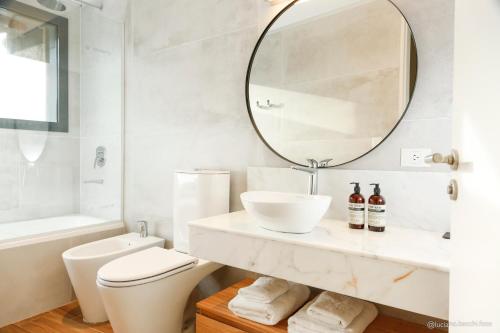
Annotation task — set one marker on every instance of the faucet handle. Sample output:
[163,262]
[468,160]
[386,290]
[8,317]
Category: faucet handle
[142,227]
[312,163]
[324,163]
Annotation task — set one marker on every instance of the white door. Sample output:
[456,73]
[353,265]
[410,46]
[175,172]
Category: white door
[475,230]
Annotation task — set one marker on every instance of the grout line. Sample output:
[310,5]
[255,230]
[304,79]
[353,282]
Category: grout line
[293,85]
[164,49]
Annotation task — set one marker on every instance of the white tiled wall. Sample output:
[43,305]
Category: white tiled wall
[46,187]
[52,185]
[427,123]
[414,199]
[101,113]
[186,66]
[185,99]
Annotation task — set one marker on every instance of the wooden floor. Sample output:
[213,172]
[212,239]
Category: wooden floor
[66,319]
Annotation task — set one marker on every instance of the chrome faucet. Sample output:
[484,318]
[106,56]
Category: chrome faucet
[142,226]
[100,157]
[312,170]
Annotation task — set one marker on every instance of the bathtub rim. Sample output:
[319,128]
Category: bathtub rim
[57,235]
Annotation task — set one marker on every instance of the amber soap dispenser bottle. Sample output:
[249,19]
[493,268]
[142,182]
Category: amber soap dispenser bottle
[376,210]
[356,208]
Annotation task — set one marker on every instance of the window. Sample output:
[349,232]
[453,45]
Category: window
[33,68]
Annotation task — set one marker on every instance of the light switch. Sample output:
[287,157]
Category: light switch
[414,157]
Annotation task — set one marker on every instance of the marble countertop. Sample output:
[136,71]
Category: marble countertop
[400,245]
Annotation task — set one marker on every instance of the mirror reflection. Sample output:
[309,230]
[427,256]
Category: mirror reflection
[331,79]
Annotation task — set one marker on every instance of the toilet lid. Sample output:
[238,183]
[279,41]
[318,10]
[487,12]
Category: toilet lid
[144,266]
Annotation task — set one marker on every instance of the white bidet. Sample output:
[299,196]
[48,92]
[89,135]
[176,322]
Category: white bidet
[83,262]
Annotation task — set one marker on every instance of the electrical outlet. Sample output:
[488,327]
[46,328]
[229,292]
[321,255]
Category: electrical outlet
[414,158]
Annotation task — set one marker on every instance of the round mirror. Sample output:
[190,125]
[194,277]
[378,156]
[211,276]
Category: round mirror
[331,79]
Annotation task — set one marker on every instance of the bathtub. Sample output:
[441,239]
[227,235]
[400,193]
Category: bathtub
[33,278]
[83,262]
[28,232]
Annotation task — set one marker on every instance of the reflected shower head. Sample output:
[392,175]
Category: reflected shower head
[53,5]
[58,5]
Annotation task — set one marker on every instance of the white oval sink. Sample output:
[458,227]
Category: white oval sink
[286,212]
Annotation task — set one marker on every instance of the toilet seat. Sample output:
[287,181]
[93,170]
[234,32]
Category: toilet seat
[144,267]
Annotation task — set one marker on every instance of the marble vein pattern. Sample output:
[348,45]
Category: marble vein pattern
[402,268]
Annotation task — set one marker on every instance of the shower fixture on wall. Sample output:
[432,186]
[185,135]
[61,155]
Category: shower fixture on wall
[100,157]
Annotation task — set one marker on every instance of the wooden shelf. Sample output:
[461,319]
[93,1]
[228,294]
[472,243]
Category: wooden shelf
[214,316]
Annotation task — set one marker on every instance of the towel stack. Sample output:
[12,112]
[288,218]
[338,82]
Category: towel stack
[269,300]
[331,312]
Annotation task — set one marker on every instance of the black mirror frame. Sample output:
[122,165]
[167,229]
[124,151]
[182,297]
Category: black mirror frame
[249,71]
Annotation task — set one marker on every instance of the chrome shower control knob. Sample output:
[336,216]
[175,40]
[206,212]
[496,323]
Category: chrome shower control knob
[100,157]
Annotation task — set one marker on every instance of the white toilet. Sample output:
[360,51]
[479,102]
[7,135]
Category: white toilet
[147,291]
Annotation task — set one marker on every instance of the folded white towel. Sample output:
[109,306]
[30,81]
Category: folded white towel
[301,322]
[271,313]
[264,289]
[334,309]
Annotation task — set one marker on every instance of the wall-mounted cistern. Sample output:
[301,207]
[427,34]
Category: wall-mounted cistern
[312,170]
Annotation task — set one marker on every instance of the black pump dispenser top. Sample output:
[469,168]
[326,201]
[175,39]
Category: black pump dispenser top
[357,189]
[376,190]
